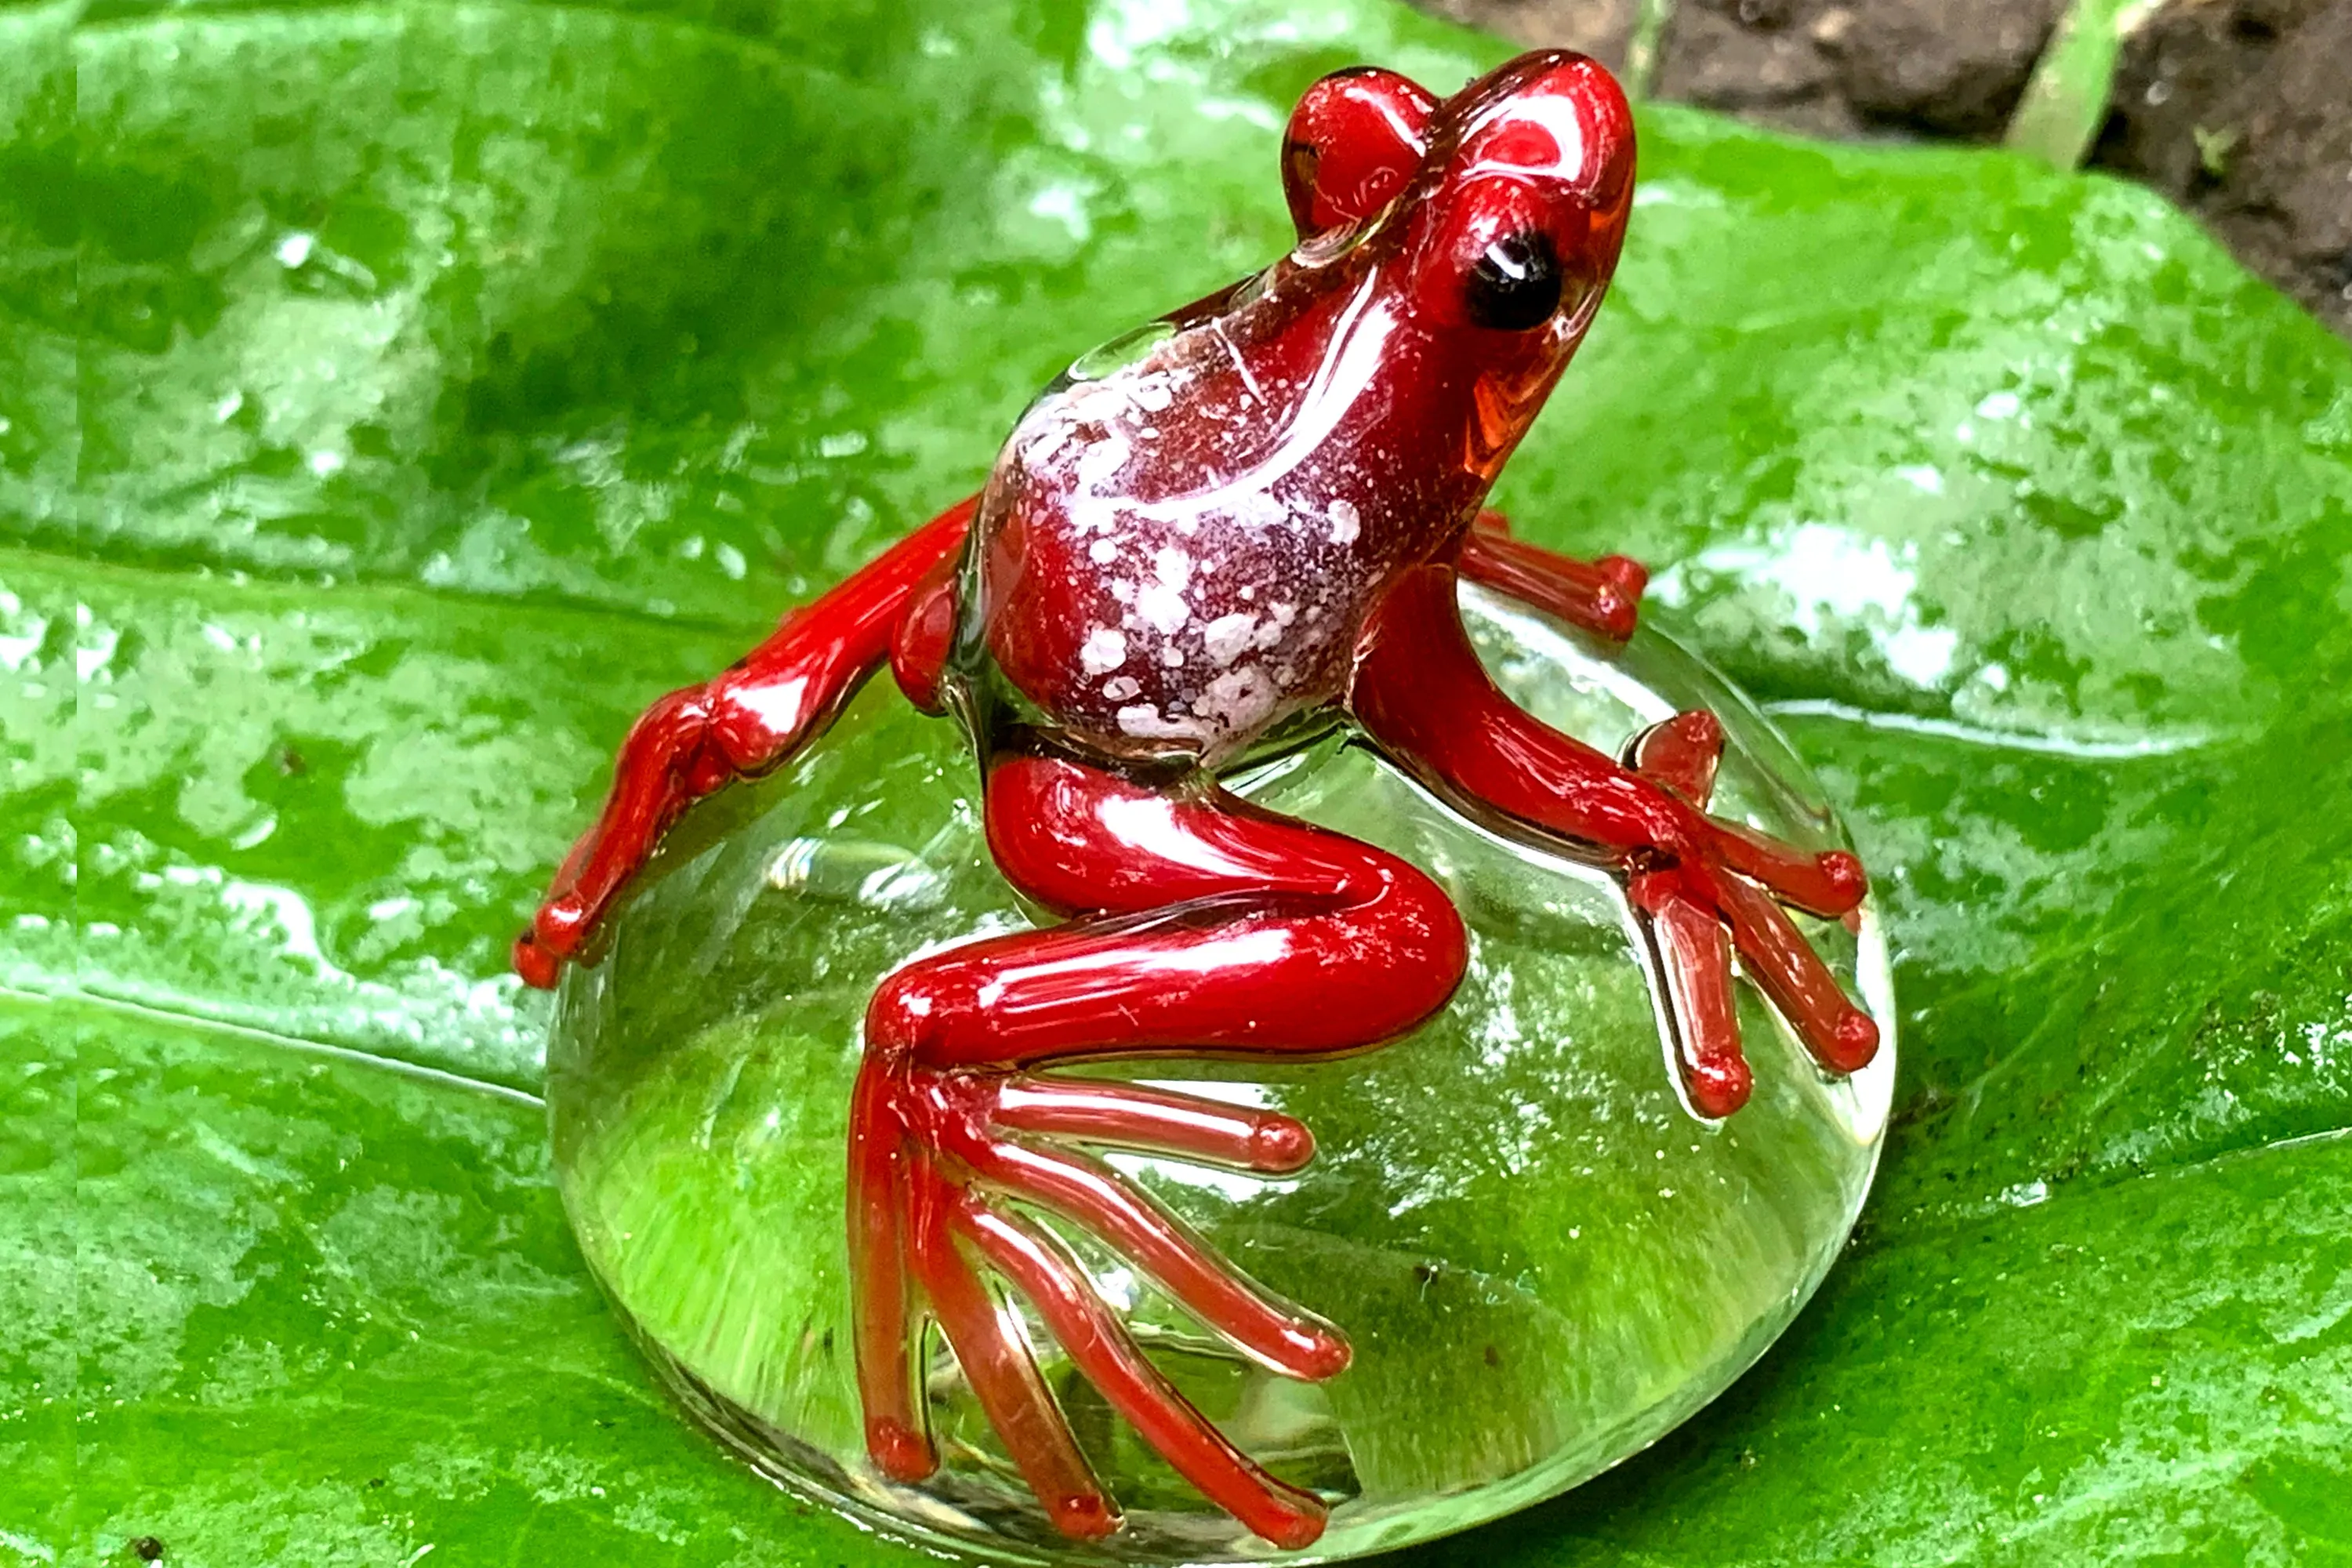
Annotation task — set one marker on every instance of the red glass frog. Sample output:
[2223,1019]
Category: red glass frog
[1215,540]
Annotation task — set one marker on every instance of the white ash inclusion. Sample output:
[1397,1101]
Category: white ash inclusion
[1225,575]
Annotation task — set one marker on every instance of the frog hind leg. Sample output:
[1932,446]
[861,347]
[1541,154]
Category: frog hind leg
[1701,889]
[749,719]
[1200,925]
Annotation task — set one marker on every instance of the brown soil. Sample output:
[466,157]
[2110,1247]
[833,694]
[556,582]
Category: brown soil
[2238,109]
[2242,112]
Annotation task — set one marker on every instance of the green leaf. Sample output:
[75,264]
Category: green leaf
[397,397]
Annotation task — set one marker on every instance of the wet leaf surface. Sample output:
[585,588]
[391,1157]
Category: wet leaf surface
[394,398]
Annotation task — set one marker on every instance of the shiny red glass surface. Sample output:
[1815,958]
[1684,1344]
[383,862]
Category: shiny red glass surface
[1248,520]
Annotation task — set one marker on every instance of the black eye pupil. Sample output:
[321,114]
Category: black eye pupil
[1516,284]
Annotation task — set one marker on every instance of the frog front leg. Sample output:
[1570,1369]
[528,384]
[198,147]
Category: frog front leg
[1199,924]
[750,719]
[1702,888]
[1604,597]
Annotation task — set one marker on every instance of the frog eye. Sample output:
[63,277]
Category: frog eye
[1353,141]
[1515,282]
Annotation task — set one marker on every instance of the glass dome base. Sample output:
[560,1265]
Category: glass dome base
[1542,1258]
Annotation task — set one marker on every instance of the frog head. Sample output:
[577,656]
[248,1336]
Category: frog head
[1486,226]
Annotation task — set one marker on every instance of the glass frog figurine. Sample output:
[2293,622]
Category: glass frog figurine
[1224,563]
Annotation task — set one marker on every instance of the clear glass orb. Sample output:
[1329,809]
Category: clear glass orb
[1542,1258]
